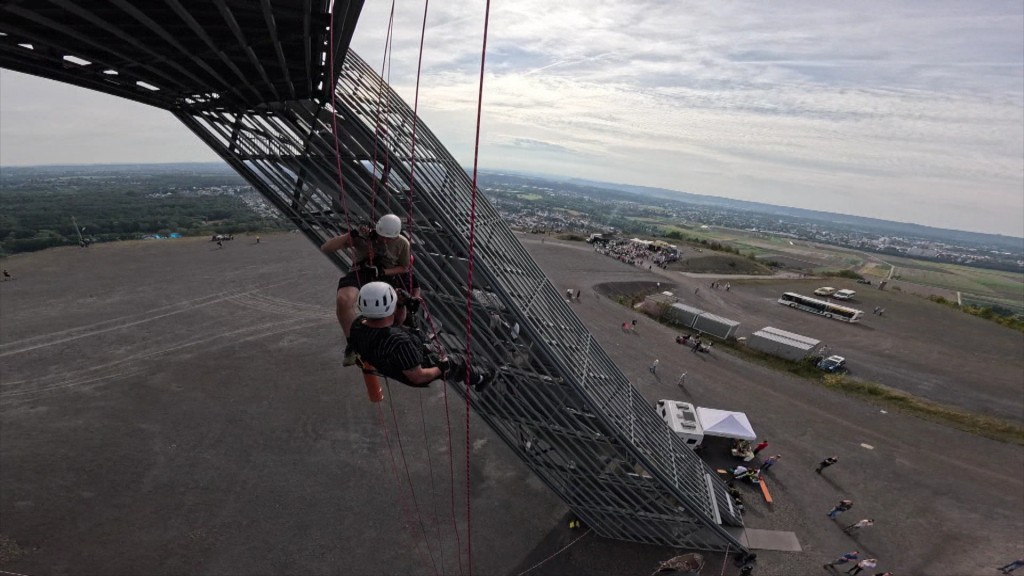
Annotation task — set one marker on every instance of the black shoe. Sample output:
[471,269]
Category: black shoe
[479,381]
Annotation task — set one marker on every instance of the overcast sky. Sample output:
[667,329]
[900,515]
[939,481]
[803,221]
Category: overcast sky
[908,111]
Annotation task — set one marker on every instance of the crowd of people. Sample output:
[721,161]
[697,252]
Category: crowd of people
[639,254]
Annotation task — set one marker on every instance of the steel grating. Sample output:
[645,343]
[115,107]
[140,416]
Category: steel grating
[559,401]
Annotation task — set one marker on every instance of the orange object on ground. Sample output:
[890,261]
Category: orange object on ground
[764,490]
[373,388]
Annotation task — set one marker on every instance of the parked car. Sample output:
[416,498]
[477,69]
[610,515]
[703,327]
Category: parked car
[825,291]
[833,365]
[864,281]
[844,294]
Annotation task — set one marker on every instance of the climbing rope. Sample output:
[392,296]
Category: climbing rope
[398,485]
[348,223]
[549,558]
[469,278]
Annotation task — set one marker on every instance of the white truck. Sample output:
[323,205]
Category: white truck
[694,423]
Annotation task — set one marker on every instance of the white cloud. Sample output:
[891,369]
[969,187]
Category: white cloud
[902,112]
[911,111]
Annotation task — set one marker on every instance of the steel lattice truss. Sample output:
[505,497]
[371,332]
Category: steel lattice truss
[559,401]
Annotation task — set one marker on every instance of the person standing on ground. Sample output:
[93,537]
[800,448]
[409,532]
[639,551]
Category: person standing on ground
[727,286]
[257,239]
[769,462]
[760,446]
[848,557]
[858,525]
[826,463]
[1012,566]
[865,563]
[842,506]
[682,380]
[654,367]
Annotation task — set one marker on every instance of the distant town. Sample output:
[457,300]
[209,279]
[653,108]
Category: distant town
[538,204]
[191,199]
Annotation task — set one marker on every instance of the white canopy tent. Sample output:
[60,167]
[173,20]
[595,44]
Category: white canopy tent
[725,423]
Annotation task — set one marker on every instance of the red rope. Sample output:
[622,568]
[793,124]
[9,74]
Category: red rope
[469,279]
[408,479]
[410,227]
[334,129]
[398,481]
[343,201]
[384,65]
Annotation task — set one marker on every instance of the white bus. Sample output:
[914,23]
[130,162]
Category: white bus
[826,309]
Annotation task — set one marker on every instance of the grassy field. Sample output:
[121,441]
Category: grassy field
[999,285]
[978,287]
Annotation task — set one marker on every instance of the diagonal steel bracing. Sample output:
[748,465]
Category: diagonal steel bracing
[559,402]
[252,81]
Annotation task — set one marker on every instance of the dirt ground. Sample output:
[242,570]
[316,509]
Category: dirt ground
[168,407]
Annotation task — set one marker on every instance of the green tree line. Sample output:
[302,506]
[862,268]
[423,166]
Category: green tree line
[36,220]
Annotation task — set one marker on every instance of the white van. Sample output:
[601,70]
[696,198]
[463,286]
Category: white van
[694,423]
[844,294]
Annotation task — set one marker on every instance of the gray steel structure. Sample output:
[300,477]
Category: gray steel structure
[252,81]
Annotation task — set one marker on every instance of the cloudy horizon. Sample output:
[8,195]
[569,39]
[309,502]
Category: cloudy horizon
[911,112]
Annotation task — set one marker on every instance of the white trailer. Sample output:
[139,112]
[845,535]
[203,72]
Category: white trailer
[694,423]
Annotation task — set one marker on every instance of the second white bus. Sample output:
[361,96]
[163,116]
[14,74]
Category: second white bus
[815,306]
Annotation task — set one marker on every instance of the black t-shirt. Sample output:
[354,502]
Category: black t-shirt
[390,350]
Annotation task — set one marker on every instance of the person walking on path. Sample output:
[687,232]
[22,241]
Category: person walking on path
[654,367]
[769,462]
[859,524]
[1012,566]
[865,563]
[848,557]
[839,508]
[760,446]
[682,380]
[826,463]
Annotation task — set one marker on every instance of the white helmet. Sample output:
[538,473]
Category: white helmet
[389,226]
[377,300]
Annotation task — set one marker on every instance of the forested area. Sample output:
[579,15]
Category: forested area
[39,205]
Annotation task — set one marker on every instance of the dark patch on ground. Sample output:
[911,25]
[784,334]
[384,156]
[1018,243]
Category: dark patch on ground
[725,264]
[631,290]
